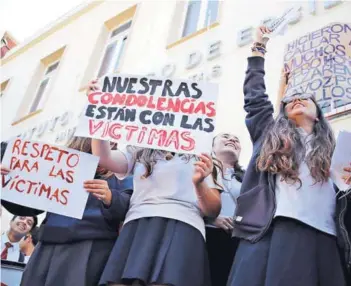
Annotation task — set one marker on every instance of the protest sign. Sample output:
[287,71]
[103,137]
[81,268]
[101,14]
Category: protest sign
[47,177]
[341,159]
[279,25]
[320,64]
[11,272]
[173,115]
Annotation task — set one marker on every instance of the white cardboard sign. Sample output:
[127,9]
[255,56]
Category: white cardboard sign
[47,177]
[159,113]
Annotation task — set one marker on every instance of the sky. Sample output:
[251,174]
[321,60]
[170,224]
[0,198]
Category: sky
[23,18]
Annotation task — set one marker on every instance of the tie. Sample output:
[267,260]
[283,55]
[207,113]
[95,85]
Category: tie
[4,252]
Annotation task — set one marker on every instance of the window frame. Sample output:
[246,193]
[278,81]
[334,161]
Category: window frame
[3,91]
[119,50]
[46,92]
[201,22]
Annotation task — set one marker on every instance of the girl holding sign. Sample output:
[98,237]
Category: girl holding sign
[289,218]
[162,241]
[220,245]
[72,251]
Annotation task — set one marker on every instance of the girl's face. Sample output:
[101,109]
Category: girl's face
[301,107]
[226,144]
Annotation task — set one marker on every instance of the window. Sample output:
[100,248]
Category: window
[200,14]
[42,91]
[114,49]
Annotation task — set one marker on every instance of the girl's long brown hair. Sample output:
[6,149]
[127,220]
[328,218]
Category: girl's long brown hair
[83,144]
[283,149]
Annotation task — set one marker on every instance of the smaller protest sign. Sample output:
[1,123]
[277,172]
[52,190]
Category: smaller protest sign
[341,159]
[166,114]
[47,177]
[279,25]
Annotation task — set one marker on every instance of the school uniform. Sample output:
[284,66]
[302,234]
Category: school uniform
[221,246]
[163,237]
[72,251]
[24,258]
[9,250]
[290,235]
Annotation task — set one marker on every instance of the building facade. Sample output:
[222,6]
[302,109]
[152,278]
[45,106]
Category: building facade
[46,76]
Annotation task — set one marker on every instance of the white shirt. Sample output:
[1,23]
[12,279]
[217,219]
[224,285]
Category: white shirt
[168,192]
[26,259]
[13,253]
[231,191]
[312,204]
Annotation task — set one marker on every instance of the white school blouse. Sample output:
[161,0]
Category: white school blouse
[312,204]
[168,192]
[231,191]
[13,252]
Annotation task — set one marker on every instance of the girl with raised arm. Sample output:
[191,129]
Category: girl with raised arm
[290,220]
[162,241]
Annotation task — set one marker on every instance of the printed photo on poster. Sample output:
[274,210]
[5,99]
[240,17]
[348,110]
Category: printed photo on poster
[47,177]
[167,114]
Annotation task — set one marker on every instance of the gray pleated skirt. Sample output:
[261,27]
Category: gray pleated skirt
[71,264]
[290,254]
[158,251]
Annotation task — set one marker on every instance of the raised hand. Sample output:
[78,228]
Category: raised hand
[284,79]
[260,32]
[347,177]
[203,168]
[4,170]
[100,190]
[92,86]
[225,223]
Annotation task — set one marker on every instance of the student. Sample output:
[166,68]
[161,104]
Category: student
[288,216]
[162,241]
[27,244]
[72,251]
[20,226]
[221,246]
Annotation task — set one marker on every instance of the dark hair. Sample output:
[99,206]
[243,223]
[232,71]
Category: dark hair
[83,144]
[3,149]
[239,172]
[34,233]
[35,220]
[283,150]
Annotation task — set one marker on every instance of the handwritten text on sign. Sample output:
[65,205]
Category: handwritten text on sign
[173,115]
[47,177]
[320,64]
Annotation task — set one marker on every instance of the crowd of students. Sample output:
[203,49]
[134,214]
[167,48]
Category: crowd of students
[159,218]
